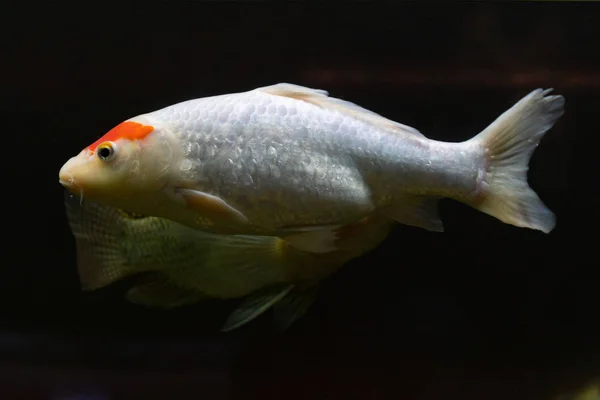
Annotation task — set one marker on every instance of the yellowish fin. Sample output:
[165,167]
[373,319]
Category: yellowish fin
[255,305]
[508,144]
[97,232]
[294,305]
[288,302]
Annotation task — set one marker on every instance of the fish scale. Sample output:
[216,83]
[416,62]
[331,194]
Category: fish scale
[295,129]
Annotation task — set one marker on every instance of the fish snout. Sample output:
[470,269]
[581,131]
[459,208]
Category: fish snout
[68,182]
[67,179]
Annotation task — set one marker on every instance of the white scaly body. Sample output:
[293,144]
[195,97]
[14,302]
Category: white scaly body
[290,161]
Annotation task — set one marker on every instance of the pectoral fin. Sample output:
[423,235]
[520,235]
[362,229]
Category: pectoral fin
[212,206]
[418,211]
[254,305]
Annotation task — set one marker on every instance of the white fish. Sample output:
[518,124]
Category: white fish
[176,265]
[289,161]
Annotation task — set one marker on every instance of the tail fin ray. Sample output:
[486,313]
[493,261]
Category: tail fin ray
[508,144]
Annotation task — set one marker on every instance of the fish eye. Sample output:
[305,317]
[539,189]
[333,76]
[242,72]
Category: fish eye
[106,151]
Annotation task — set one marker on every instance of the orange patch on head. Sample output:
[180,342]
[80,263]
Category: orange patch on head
[125,130]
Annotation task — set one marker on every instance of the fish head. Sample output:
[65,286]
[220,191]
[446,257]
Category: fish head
[129,163]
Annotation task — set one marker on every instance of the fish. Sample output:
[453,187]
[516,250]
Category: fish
[173,265]
[292,162]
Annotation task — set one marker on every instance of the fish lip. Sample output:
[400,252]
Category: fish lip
[66,178]
[70,185]
[65,183]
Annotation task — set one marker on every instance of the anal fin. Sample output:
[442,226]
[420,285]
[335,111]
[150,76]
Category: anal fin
[293,306]
[418,211]
[254,305]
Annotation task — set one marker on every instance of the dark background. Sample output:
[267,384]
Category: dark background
[485,310]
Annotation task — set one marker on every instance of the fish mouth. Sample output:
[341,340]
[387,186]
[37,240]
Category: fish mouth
[67,179]
[67,184]
[71,187]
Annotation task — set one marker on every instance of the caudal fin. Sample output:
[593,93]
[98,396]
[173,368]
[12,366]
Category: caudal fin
[508,144]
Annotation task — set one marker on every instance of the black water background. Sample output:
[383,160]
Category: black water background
[482,310]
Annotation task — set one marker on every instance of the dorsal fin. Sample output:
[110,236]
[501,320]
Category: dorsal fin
[320,98]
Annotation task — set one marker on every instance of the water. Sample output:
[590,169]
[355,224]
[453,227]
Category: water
[483,311]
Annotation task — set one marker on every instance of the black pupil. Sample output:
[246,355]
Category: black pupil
[105,152]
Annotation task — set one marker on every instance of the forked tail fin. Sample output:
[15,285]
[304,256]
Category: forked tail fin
[508,144]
